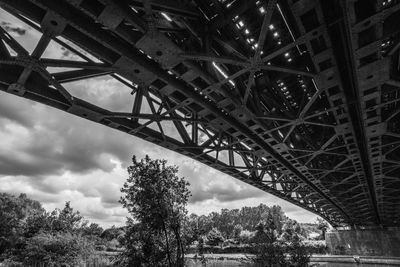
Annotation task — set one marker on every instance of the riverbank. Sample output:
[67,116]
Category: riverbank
[379,261]
[394,261]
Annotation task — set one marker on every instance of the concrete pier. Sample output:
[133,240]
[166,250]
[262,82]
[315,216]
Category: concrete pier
[363,242]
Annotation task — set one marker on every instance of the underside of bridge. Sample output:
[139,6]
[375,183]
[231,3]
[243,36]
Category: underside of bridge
[299,98]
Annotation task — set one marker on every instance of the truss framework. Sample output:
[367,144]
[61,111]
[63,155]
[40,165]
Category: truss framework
[296,97]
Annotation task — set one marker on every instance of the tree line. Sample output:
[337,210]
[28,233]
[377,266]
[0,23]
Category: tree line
[29,234]
[240,225]
[158,230]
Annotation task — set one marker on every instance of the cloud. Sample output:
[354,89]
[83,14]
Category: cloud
[103,91]
[13,29]
[56,142]
[9,112]
[56,157]
[24,34]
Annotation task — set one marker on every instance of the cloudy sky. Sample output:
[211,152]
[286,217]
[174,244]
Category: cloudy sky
[55,157]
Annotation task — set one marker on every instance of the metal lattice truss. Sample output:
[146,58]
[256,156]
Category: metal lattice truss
[296,97]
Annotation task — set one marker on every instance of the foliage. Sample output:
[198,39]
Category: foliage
[214,237]
[313,247]
[291,230]
[113,233]
[14,212]
[65,220]
[141,247]
[237,230]
[265,246]
[228,221]
[246,236]
[311,230]
[156,198]
[56,249]
[268,254]
[316,246]
[299,254]
[322,226]
[92,230]
[32,235]
[269,250]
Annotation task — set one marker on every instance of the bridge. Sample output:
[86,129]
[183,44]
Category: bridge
[299,98]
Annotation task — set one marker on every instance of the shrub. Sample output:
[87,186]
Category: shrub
[57,249]
[299,254]
[11,263]
[316,246]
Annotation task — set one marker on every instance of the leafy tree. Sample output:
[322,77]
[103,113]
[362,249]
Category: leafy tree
[93,230]
[246,236]
[37,236]
[267,250]
[156,198]
[264,233]
[225,221]
[237,230]
[322,226]
[205,224]
[113,233]
[214,237]
[278,217]
[272,218]
[65,220]
[191,230]
[142,248]
[14,211]
[35,223]
[291,230]
[299,254]
[56,249]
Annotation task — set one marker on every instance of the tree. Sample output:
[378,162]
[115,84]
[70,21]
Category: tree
[322,226]
[214,237]
[31,235]
[156,198]
[291,230]
[237,231]
[56,249]
[142,248]
[191,230]
[267,250]
[65,220]
[299,254]
[92,230]
[14,211]
[112,233]
[246,236]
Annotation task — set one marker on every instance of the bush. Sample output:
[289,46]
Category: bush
[268,254]
[11,263]
[57,249]
[214,237]
[316,246]
[313,246]
[245,236]
[221,250]
[299,254]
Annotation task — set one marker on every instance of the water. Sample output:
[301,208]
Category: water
[236,263]
[215,263]
[339,264]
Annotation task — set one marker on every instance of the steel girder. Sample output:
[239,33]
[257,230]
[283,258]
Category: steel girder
[264,91]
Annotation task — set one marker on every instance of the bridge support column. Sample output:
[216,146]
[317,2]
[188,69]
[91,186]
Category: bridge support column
[376,242]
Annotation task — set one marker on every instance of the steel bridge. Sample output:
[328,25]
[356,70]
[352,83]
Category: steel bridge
[299,98]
